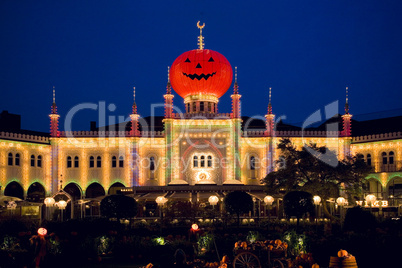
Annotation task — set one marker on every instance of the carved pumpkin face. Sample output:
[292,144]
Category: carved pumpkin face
[201,72]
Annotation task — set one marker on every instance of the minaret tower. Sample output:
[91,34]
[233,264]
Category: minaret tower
[270,124]
[54,134]
[168,99]
[134,119]
[347,126]
[236,112]
[54,118]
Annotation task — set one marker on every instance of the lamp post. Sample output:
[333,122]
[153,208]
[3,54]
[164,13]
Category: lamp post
[49,202]
[341,202]
[161,200]
[61,205]
[370,199]
[317,201]
[268,200]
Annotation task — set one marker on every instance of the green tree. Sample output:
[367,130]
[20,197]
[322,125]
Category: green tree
[317,170]
[298,203]
[238,202]
[118,206]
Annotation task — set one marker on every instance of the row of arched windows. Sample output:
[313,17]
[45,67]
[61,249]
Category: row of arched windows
[387,158]
[14,160]
[202,162]
[36,161]
[115,162]
[387,161]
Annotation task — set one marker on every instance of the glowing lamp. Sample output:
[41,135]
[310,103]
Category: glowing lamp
[194,227]
[340,201]
[268,200]
[370,199]
[317,200]
[62,204]
[11,205]
[49,201]
[42,231]
[161,200]
[213,200]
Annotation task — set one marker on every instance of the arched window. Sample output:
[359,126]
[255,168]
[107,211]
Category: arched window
[17,159]
[195,161]
[114,161]
[10,159]
[252,163]
[194,107]
[69,163]
[32,160]
[98,162]
[121,161]
[201,106]
[76,162]
[91,162]
[384,158]
[152,163]
[391,158]
[369,159]
[202,158]
[188,107]
[39,162]
[209,161]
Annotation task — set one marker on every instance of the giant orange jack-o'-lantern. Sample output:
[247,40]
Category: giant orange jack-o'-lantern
[201,71]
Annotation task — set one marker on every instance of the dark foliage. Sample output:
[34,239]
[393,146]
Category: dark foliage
[298,203]
[118,206]
[359,220]
[238,202]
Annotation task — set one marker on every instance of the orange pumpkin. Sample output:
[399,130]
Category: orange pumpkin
[315,265]
[225,259]
[201,71]
[278,242]
[342,253]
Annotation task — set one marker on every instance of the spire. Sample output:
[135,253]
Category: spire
[54,107]
[347,101]
[269,103]
[134,104]
[236,86]
[168,87]
[200,38]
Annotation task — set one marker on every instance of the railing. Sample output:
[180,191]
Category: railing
[263,133]
[202,116]
[378,137]
[109,134]
[23,137]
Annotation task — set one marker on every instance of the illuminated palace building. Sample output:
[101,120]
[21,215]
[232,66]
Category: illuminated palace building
[184,155]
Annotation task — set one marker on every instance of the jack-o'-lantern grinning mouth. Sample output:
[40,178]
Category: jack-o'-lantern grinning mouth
[200,76]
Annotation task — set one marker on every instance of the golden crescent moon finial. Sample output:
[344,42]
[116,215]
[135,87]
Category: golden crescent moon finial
[200,26]
[200,38]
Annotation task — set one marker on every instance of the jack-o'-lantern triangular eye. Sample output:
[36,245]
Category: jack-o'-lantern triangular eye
[211,59]
[187,60]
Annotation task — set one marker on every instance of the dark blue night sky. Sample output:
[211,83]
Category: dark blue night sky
[91,51]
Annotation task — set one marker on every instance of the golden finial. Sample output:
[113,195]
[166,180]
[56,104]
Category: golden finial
[134,94]
[235,74]
[54,95]
[200,38]
[168,74]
